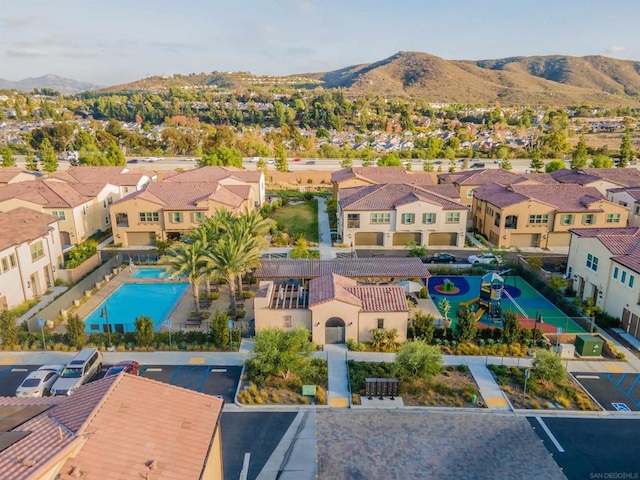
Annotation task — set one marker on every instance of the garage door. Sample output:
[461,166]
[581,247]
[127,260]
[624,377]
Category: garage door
[369,238]
[401,239]
[559,239]
[136,239]
[443,239]
[525,240]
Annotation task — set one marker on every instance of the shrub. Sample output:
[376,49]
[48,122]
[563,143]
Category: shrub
[75,332]
[422,327]
[144,331]
[321,396]
[466,328]
[535,262]
[417,359]
[548,366]
[8,328]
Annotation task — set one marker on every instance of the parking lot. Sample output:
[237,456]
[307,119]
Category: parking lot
[614,391]
[588,448]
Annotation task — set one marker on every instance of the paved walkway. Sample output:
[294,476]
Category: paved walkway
[338,394]
[489,389]
[42,302]
[324,230]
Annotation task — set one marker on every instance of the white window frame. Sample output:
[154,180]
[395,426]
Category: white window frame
[452,217]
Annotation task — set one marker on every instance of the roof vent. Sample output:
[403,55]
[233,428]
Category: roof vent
[152,464]
[75,472]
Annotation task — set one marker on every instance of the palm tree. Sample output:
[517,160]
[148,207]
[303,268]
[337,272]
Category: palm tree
[253,228]
[187,259]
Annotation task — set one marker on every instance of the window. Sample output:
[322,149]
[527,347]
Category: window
[497,220]
[5,264]
[588,219]
[106,219]
[37,251]
[287,321]
[616,270]
[104,203]
[624,204]
[453,217]
[632,280]
[470,193]
[428,218]
[353,220]
[60,214]
[175,217]
[566,219]
[110,200]
[613,218]
[623,277]
[408,218]
[149,217]
[84,209]
[12,261]
[592,262]
[511,222]
[196,217]
[380,218]
[381,323]
[538,219]
[637,210]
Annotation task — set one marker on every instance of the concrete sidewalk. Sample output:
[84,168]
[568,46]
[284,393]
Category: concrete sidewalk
[489,388]
[324,230]
[338,394]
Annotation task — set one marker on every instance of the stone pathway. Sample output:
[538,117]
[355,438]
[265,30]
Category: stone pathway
[338,394]
[324,230]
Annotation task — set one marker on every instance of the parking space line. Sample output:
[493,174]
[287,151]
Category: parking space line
[218,370]
[553,439]
[19,369]
[617,385]
[634,384]
[152,369]
[596,377]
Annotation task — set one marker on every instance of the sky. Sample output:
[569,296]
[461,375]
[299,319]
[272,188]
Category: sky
[107,42]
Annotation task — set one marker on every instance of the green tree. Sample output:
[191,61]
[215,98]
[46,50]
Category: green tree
[187,259]
[144,331]
[466,328]
[579,156]
[222,157]
[346,163]
[511,330]
[548,366]
[301,250]
[445,308]
[48,156]
[416,250]
[506,164]
[75,332]
[220,330]
[422,327]
[114,156]
[280,353]
[7,158]
[280,159]
[554,165]
[417,359]
[262,165]
[390,160]
[367,157]
[537,164]
[8,328]
[30,162]
[557,282]
[601,161]
[452,165]
[427,166]
[625,149]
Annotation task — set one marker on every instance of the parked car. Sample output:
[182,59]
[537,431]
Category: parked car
[39,383]
[478,165]
[439,258]
[133,160]
[485,258]
[84,366]
[254,159]
[297,159]
[310,162]
[128,366]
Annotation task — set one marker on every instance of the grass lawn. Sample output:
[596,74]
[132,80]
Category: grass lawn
[300,218]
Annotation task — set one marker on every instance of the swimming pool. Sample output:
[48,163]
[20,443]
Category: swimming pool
[150,272]
[131,300]
[525,296]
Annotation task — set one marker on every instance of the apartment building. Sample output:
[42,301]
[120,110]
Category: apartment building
[366,176]
[628,197]
[127,181]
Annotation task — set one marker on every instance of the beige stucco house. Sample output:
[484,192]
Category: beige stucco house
[604,265]
[628,197]
[127,181]
[333,308]
[366,176]
[167,209]
[524,215]
[393,215]
[30,253]
[10,175]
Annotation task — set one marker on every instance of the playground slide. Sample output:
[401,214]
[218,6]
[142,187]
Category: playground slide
[479,314]
[469,302]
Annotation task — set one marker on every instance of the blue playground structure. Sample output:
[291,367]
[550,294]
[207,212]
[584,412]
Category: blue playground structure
[490,298]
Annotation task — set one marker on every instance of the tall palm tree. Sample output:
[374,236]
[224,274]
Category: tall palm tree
[253,228]
[187,259]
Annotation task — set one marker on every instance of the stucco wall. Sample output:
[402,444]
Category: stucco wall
[369,321]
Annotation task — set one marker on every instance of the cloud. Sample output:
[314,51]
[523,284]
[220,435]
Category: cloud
[614,49]
[299,51]
[26,53]
[267,29]
[20,21]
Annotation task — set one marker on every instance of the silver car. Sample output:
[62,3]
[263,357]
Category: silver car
[38,383]
[79,371]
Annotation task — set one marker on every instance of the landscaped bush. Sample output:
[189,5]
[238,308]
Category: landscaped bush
[80,253]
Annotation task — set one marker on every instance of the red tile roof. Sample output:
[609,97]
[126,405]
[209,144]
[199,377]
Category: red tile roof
[382,175]
[47,194]
[633,192]
[481,177]
[332,287]
[7,174]
[23,225]
[117,433]
[119,176]
[214,174]
[390,267]
[627,177]
[566,175]
[390,196]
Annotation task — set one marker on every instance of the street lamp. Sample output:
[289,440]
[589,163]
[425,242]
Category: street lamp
[103,314]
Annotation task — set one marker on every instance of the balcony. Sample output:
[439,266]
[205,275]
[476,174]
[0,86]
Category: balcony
[122,220]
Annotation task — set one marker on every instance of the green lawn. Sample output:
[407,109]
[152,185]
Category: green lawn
[300,218]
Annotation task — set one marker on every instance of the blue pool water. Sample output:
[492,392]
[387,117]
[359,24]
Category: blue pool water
[132,300]
[149,272]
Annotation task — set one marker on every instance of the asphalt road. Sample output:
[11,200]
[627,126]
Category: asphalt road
[593,448]
[614,391]
[256,433]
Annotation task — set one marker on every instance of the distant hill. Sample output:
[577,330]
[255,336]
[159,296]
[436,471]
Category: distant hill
[66,86]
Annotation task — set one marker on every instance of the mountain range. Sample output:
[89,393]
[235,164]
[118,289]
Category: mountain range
[66,86]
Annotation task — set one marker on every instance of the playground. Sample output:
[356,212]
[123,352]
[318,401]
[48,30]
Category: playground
[493,294]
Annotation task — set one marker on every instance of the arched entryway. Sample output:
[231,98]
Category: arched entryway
[334,331]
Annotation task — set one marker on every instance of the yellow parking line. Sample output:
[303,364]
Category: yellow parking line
[196,361]
[614,368]
[8,360]
[496,402]
[340,402]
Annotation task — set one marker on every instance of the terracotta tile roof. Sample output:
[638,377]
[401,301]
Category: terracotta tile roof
[623,243]
[542,178]
[571,176]
[189,196]
[567,197]
[46,194]
[380,298]
[214,174]
[390,267]
[119,176]
[7,174]
[332,287]
[481,177]
[627,177]
[382,175]
[389,196]
[23,225]
[117,433]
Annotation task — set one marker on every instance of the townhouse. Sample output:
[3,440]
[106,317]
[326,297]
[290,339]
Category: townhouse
[466,182]
[628,197]
[603,179]
[364,176]
[30,253]
[393,215]
[525,215]
[10,175]
[604,265]
[127,181]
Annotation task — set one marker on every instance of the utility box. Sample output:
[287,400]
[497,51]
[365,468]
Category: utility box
[565,350]
[588,346]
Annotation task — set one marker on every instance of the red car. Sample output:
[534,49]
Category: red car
[297,159]
[127,366]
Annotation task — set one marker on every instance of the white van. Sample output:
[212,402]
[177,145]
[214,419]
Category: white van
[84,366]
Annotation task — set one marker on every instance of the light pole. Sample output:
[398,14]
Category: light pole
[230,325]
[527,374]
[169,325]
[41,323]
[104,314]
